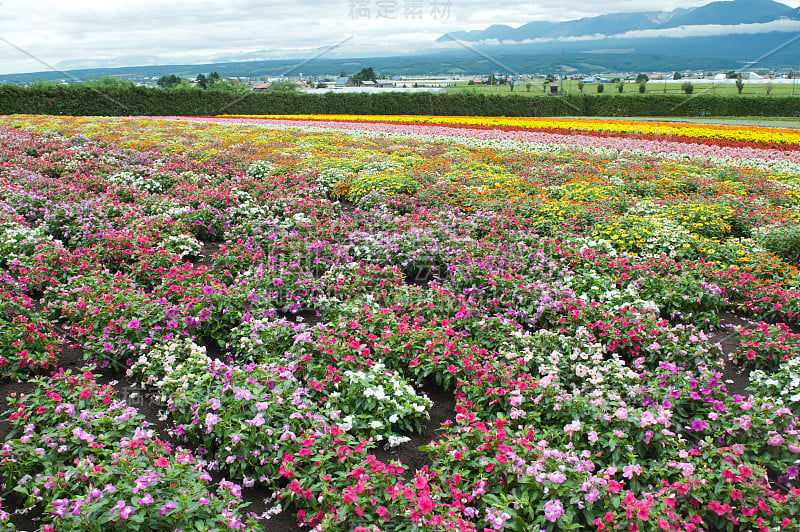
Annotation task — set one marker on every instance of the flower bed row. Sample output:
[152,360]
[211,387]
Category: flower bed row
[755,137]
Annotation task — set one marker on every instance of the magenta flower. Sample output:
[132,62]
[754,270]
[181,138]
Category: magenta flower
[134,324]
[553,510]
[167,508]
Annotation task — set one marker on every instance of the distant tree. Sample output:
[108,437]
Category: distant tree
[366,74]
[283,86]
[167,82]
[677,75]
[321,85]
[214,77]
[620,87]
[731,74]
[642,88]
[550,78]
[642,78]
[600,88]
[43,84]
[201,81]
[768,87]
[739,83]
[687,87]
[528,86]
[789,75]
[343,74]
[580,86]
[226,86]
[108,81]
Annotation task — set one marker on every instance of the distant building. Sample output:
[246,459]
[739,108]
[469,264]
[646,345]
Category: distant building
[343,81]
[262,87]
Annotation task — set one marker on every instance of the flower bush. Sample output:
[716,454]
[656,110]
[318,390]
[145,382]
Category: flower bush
[88,461]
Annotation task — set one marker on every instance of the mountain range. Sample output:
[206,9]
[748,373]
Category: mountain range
[724,13]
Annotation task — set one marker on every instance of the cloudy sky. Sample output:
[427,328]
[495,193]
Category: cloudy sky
[38,34]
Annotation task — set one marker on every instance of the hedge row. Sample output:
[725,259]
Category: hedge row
[80,100]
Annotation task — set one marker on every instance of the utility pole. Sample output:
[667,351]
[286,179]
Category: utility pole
[561,81]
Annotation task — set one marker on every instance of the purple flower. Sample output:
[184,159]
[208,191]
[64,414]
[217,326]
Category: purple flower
[146,499]
[134,324]
[61,506]
[167,507]
[699,425]
[553,510]
[277,282]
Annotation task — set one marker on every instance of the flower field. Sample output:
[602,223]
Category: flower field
[614,316]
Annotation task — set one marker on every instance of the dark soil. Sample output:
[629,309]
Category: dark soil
[727,336]
[347,206]
[204,258]
[443,409]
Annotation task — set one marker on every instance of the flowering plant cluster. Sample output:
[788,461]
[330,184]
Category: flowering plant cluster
[82,456]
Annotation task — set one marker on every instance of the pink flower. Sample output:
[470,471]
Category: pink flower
[776,440]
[425,505]
[161,462]
[718,508]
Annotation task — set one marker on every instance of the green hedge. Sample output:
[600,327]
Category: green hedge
[80,100]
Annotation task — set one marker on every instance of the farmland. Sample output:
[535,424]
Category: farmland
[592,323]
[704,86]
